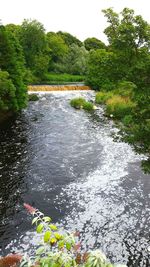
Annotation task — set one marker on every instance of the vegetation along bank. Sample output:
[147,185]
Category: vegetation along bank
[29,55]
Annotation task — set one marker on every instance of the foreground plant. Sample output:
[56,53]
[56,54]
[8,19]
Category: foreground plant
[81,103]
[59,248]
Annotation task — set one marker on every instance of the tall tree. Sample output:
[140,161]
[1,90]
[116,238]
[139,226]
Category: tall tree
[33,41]
[12,61]
[93,44]
[69,38]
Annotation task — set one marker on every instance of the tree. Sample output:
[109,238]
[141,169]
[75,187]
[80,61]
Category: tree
[8,99]
[57,50]
[34,43]
[12,61]
[69,39]
[94,43]
[127,34]
[102,69]
[76,60]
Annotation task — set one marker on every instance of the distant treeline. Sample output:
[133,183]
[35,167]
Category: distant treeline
[29,55]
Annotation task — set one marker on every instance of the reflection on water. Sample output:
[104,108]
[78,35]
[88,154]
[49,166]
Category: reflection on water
[66,163]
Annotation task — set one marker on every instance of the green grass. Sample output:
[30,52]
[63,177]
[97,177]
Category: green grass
[53,78]
[80,103]
[33,97]
[88,106]
[77,102]
[119,106]
[102,97]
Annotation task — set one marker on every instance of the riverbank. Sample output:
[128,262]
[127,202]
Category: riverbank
[35,88]
[4,116]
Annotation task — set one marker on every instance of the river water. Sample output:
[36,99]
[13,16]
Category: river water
[66,163]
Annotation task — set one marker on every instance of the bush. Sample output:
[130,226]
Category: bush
[77,102]
[59,248]
[102,97]
[127,120]
[125,88]
[80,103]
[33,97]
[88,106]
[119,106]
[54,78]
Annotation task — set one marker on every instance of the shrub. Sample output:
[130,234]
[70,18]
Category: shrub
[126,89]
[54,78]
[102,97]
[88,106]
[127,120]
[77,102]
[33,97]
[119,106]
[58,248]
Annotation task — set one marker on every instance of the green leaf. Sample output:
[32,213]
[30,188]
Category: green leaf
[53,241]
[40,250]
[53,227]
[61,244]
[39,228]
[35,220]
[47,236]
[47,219]
[58,236]
[68,246]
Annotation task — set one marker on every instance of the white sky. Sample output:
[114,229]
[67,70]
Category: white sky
[82,18]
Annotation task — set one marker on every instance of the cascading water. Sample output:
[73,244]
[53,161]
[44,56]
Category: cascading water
[66,163]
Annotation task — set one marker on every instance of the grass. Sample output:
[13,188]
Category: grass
[102,97]
[54,78]
[77,102]
[81,103]
[33,97]
[119,106]
[88,106]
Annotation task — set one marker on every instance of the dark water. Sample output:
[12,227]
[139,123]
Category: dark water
[65,163]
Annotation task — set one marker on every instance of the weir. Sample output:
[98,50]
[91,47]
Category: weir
[73,87]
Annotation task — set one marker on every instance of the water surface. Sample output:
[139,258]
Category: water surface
[66,163]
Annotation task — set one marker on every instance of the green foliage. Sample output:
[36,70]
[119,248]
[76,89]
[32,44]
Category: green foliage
[69,39]
[77,102]
[102,97]
[12,61]
[126,89]
[101,72]
[124,68]
[94,44]
[36,52]
[80,103]
[119,106]
[54,78]
[57,48]
[33,97]
[59,248]
[88,106]
[7,93]
[76,60]
[127,120]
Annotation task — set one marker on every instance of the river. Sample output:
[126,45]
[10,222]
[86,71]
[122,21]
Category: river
[66,163]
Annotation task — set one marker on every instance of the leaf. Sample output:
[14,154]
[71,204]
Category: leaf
[47,236]
[47,219]
[53,227]
[58,236]
[53,241]
[40,250]
[68,246]
[39,228]
[61,244]
[35,220]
